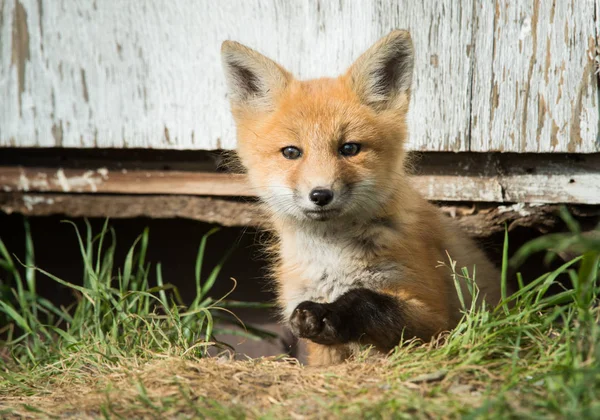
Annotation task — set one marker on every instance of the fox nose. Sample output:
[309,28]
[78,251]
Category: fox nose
[321,196]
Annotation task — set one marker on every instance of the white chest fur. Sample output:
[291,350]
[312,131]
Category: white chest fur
[324,264]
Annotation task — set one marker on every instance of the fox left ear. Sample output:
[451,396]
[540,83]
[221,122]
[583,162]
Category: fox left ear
[382,76]
[253,80]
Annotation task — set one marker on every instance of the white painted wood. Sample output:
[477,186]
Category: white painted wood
[147,74]
[534,87]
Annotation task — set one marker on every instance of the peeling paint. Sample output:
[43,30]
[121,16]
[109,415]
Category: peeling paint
[23,184]
[89,180]
[103,172]
[554,135]
[20,47]
[519,208]
[548,62]
[462,51]
[84,88]
[575,133]
[167,136]
[30,201]
[525,29]
[57,133]
[537,88]
[542,110]
[561,81]
[495,99]
[62,180]
[532,60]
[434,60]
[40,182]
[40,5]
[139,57]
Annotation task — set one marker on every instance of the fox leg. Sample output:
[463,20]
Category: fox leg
[363,316]
[320,355]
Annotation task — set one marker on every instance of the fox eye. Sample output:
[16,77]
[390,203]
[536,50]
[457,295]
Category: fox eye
[291,152]
[350,149]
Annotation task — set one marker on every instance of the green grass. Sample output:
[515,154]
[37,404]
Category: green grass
[116,313]
[129,350]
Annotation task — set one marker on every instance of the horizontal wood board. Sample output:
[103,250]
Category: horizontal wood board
[477,220]
[491,75]
[496,178]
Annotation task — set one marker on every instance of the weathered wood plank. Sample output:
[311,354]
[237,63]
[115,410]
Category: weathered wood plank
[534,87]
[476,220]
[148,75]
[513,178]
[206,209]
[470,177]
[101,180]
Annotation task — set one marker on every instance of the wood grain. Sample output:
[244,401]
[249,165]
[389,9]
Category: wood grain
[207,209]
[439,177]
[479,220]
[101,180]
[149,75]
[534,87]
[490,75]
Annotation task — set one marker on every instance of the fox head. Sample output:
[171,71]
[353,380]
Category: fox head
[327,148]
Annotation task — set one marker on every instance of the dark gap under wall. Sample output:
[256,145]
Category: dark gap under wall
[174,243]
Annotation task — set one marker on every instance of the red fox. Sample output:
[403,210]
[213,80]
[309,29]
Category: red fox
[358,249]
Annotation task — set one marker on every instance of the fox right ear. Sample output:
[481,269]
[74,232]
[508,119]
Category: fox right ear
[253,80]
[382,76]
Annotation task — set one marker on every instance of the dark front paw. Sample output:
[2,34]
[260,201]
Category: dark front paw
[317,323]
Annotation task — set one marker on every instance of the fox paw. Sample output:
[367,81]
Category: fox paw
[314,321]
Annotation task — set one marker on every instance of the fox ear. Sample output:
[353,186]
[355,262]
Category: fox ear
[252,79]
[382,76]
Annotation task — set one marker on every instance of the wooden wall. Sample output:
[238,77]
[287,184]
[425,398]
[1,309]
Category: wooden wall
[491,75]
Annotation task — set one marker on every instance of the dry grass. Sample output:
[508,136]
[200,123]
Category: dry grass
[279,388]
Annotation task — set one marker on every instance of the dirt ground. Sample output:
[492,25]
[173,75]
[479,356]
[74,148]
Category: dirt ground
[221,387]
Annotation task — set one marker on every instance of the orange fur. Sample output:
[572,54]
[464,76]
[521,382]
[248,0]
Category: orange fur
[366,105]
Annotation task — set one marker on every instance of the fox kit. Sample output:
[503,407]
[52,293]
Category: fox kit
[358,249]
